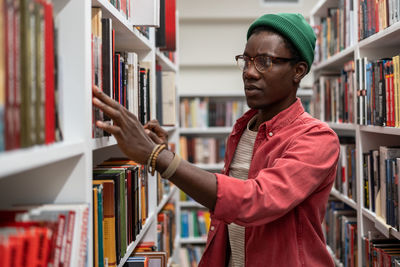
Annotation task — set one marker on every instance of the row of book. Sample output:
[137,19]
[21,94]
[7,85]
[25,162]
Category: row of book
[340,228]
[44,235]
[208,112]
[190,255]
[380,251]
[378,96]
[375,16]
[166,229]
[202,150]
[381,168]
[28,83]
[194,223]
[121,76]
[120,208]
[118,74]
[345,181]
[335,31]
[338,91]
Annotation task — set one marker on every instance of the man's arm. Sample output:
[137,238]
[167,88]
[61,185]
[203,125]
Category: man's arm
[137,145]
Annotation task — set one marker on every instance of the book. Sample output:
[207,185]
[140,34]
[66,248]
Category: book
[50,67]
[109,224]
[97,66]
[168,98]
[155,258]
[385,152]
[107,60]
[2,74]
[170,26]
[118,176]
[136,262]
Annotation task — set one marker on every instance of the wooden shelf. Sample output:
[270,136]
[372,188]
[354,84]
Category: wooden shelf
[127,36]
[190,204]
[37,156]
[206,130]
[335,62]
[344,198]
[380,129]
[166,63]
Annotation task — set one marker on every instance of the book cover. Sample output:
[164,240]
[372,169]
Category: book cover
[118,176]
[109,221]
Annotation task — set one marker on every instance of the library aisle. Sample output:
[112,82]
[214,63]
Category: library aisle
[69,196]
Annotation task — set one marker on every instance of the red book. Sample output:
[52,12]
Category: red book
[49,74]
[388,95]
[5,252]
[68,241]
[391,82]
[170,26]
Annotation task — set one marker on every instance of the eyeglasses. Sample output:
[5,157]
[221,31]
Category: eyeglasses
[262,63]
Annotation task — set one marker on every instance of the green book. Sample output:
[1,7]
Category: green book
[195,224]
[100,223]
[118,175]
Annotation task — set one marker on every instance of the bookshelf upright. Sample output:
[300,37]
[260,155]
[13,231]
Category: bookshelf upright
[355,31]
[61,172]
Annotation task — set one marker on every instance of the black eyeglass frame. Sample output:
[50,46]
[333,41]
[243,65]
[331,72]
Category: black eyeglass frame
[268,58]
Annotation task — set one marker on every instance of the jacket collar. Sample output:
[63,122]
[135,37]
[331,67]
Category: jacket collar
[282,119]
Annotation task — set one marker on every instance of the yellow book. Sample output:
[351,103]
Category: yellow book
[109,240]
[207,219]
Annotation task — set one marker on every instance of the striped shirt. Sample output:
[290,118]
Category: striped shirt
[239,169]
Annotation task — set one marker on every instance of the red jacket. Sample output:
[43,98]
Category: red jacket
[282,204]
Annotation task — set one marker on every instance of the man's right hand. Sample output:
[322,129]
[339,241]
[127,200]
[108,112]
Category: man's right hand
[156,132]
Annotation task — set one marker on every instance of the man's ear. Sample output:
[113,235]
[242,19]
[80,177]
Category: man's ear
[300,71]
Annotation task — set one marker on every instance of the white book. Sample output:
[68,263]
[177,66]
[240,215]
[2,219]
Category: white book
[133,79]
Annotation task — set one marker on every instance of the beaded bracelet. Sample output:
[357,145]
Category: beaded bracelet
[151,162]
[172,167]
[152,153]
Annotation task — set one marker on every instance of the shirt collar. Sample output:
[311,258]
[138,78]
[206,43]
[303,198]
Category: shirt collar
[282,119]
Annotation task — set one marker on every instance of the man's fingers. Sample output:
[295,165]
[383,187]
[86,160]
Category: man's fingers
[152,124]
[153,137]
[104,98]
[108,110]
[111,129]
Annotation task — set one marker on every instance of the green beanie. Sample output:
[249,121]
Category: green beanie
[295,28]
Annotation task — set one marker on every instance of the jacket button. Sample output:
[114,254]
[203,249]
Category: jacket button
[212,228]
[270,134]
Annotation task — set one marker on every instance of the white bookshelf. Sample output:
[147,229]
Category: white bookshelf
[206,130]
[62,172]
[382,44]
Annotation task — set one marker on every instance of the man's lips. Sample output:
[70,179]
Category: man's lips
[251,88]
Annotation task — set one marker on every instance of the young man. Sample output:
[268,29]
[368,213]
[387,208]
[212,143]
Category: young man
[268,204]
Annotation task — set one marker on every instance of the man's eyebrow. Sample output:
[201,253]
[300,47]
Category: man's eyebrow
[263,54]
